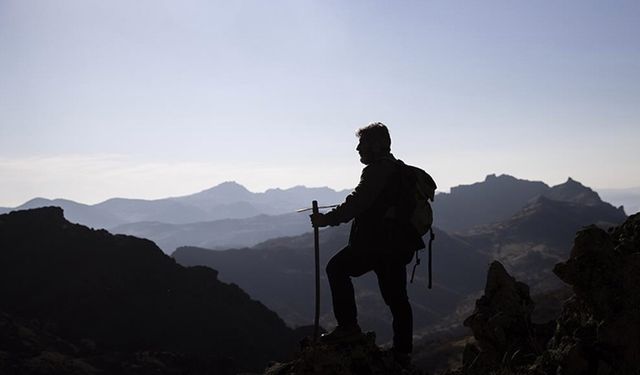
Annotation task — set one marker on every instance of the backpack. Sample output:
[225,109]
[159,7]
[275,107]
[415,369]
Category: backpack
[417,188]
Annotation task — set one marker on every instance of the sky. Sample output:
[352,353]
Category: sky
[149,99]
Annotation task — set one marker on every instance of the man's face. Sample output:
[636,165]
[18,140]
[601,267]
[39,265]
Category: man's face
[367,151]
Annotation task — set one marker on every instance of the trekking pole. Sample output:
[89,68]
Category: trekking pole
[316,244]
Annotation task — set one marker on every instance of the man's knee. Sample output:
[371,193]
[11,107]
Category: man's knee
[335,268]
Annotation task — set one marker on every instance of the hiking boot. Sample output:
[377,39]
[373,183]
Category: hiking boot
[342,334]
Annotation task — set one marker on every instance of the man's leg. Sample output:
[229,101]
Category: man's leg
[392,279]
[347,263]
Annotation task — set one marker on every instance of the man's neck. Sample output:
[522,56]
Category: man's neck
[374,158]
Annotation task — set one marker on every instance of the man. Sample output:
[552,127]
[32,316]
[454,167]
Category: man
[378,242]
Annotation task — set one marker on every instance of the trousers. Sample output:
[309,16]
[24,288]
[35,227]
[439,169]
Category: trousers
[392,281]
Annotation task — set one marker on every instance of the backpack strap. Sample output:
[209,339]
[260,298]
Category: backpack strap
[413,273]
[432,236]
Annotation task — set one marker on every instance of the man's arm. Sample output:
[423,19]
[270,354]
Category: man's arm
[372,181]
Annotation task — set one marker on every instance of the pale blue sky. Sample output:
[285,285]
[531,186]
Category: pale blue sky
[156,98]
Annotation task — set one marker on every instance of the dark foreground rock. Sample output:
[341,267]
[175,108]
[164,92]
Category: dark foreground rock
[363,357]
[120,305]
[504,333]
[598,330]
[28,348]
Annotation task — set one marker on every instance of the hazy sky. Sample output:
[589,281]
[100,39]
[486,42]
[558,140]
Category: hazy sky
[156,98]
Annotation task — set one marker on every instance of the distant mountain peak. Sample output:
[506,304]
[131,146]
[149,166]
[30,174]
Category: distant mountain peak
[227,187]
[230,184]
[502,177]
[574,191]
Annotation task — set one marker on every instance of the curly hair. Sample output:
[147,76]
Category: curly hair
[376,132]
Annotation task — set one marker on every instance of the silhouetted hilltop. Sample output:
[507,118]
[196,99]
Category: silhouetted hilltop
[125,295]
[575,192]
[82,213]
[498,198]
[229,191]
[494,199]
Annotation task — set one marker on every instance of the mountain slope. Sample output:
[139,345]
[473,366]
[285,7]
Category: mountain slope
[226,233]
[539,236]
[280,273]
[125,294]
[494,199]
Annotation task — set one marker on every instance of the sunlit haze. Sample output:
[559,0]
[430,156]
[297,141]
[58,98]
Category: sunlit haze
[149,99]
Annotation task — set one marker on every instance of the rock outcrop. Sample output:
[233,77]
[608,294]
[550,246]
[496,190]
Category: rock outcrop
[598,330]
[362,357]
[501,324]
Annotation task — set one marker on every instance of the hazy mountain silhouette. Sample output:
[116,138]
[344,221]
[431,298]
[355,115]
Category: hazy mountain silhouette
[228,200]
[226,233]
[497,198]
[125,295]
[492,200]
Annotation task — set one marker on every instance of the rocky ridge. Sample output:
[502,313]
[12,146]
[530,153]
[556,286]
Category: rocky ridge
[115,296]
[598,330]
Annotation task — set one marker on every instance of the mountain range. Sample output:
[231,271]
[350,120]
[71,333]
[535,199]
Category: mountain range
[228,215]
[279,272]
[228,200]
[498,198]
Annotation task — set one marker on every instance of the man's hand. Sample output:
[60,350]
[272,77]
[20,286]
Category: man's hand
[318,220]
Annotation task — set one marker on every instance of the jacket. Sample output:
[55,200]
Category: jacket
[369,206]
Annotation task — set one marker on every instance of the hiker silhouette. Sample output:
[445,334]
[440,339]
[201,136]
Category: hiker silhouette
[377,242]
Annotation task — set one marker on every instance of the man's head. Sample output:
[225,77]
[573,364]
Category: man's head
[374,142]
